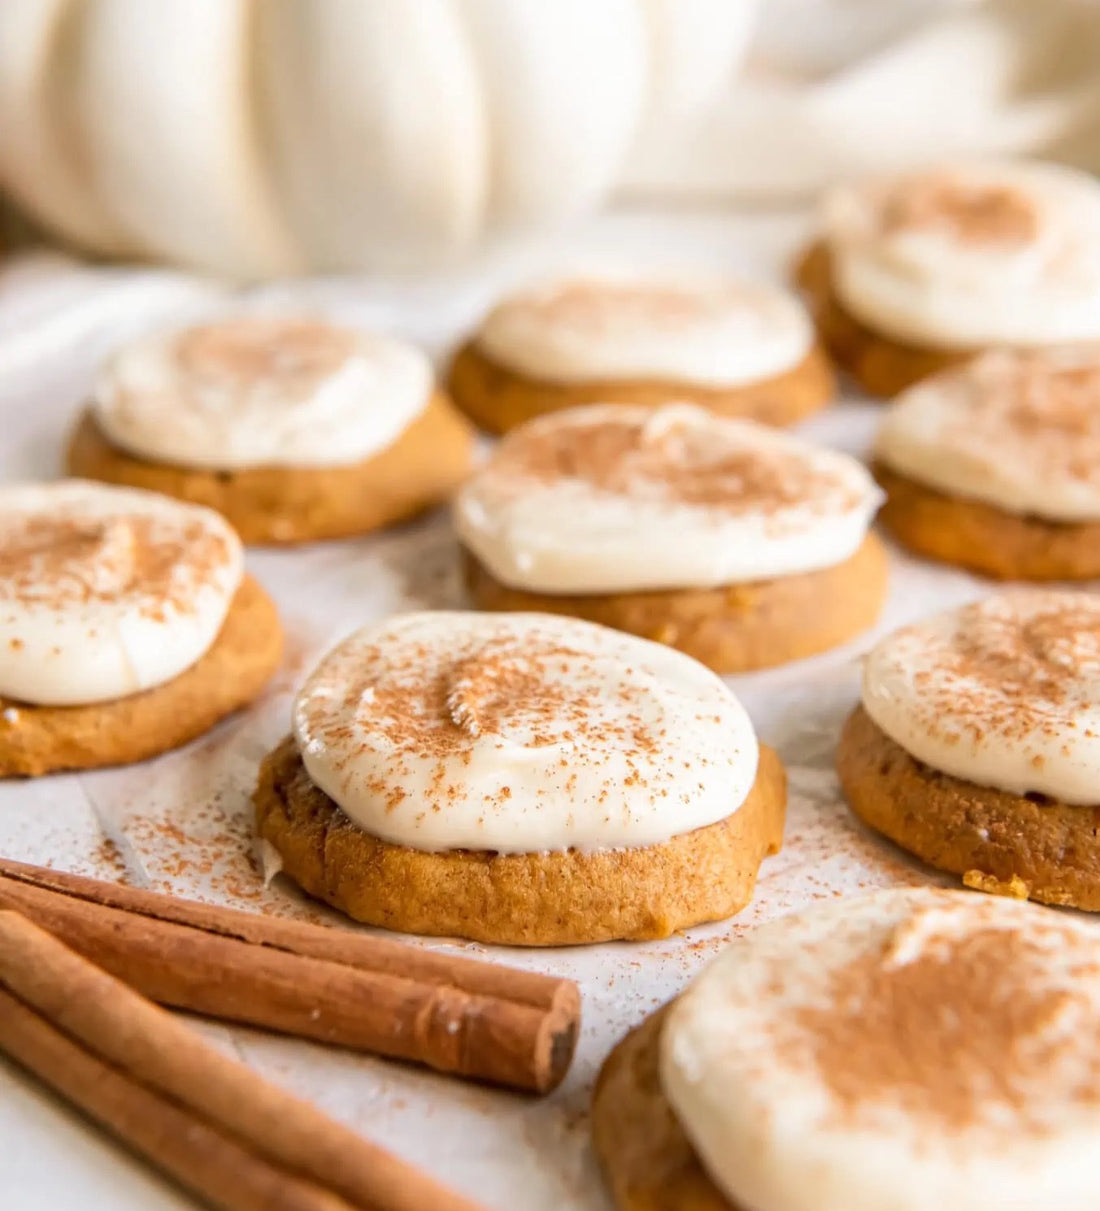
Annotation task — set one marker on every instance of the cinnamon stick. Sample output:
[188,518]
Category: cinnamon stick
[456,1015]
[226,1134]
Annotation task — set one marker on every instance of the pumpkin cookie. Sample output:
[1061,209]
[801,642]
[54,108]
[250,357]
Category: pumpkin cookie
[739,545]
[996,466]
[977,744]
[520,779]
[881,1052]
[734,349]
[917,273]
[127,626]
[295,430]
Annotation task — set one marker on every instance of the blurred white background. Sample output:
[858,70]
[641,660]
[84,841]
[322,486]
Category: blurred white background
[258,139]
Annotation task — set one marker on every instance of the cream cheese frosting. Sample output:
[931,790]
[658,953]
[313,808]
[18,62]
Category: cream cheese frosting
[1003,692]
[710,333]
[260,392]
[1017,430]
[521,733]
[968,256]
[906,1050]
[106,591]
[611,498]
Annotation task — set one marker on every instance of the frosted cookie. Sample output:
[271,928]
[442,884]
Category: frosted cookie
[918,272]
[520,779]
[740,545]
[897,1052]
[734,348]
[293,429]
[995,466]
[127,626]
[977,744]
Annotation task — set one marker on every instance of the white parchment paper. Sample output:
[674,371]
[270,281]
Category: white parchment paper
[182,823]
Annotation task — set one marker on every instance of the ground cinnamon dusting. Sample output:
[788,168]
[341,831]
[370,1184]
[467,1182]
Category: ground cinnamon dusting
[601,307]
[970,212]
[66,559]
[959,1035]
[249,350]
[411,704]
[1040,410]
[667,461]
[1014,665]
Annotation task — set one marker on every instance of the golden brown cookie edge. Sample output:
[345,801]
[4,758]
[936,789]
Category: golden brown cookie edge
[647,1161]
[881,365]
[991,838]
[288,505]
[230,675]
[982,538]
[733,629]
[497,398]
[554,899]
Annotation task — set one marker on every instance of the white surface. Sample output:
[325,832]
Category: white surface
[182,823]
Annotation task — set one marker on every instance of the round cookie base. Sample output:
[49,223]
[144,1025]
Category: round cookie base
[284,505]
[537,899]
[648,1162]
[498,398]
[881,365]
[733,629]
[247,651]
[982,538]
[1017,845]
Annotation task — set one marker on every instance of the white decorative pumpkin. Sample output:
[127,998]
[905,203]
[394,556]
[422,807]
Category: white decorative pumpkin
[262,137]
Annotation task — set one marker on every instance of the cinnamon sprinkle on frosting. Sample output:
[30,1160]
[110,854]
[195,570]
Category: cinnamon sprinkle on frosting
[895,1052]
[669,457]
[957,1029]
[969,211]
[1017,429]
[105,591]
[970,256]
[604,307]
[521,732]
[1003,692]
[65,558]
[610,498]
[246,350]
[711,331]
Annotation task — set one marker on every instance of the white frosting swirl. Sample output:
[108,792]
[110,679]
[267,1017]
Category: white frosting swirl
[964,257]
[1017,430]
[709,333]
[897,1052]
[609,498]
[519,733]
[107,591]
[1003,692]
[261,392]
